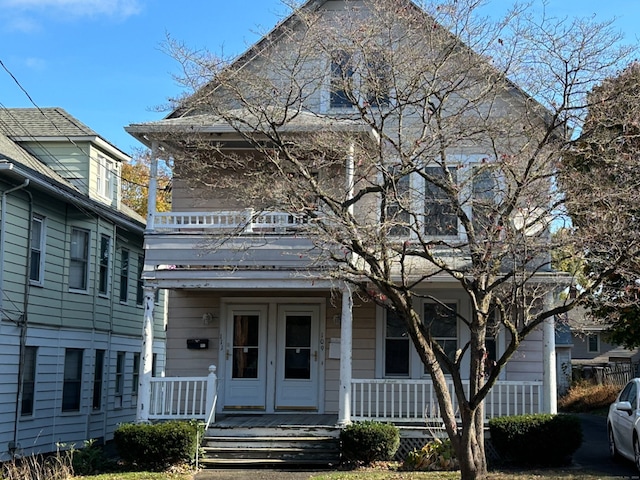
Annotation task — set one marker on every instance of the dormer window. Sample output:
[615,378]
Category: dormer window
[105,178]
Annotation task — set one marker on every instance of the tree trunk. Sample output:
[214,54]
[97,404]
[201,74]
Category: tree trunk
[472,458]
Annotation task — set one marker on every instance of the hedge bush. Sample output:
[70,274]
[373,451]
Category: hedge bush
[157,446]
[369,441]
[539,440]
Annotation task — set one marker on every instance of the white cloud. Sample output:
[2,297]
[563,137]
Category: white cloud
[112,8]
[35,63]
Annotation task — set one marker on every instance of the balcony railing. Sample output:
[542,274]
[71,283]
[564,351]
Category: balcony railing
[396,400]
[242,221]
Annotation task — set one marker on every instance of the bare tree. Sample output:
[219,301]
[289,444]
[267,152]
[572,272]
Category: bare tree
[433,157]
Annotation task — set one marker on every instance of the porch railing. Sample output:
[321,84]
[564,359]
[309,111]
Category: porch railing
[184,397]
[245,221]
[396,400]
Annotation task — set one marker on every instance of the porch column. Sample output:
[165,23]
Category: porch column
[153,185]
[549,380]
[346,342]
[144,385]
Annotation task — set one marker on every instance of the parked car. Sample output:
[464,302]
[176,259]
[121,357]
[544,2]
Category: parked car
[623,424]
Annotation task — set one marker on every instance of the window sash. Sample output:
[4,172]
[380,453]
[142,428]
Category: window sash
[105,253]
[79,259]
[135,375]
[442,320]
[124,275]
[98,378]
[341,74]
[36,267]
[28,381]
[398,196]
[440,217]
[105,178]
[397,347]
[72,385]
[119,385]
[140,282]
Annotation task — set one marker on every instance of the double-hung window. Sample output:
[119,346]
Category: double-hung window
[28,380]
[593,343]
[442,320]
[79,266]
[377,81]
[36,265]
[105,254]
[398,202]
[140,282]
[124,275]
[105,178]
[440,216]
[98,372]
[485,196]
[72,385]
[397,346]
[341,89]
[119,386]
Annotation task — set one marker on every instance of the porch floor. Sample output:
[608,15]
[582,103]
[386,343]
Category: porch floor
[275,420]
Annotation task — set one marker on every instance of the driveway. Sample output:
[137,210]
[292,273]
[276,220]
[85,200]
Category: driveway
[593,456]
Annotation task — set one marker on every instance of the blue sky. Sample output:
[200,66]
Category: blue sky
[101,60]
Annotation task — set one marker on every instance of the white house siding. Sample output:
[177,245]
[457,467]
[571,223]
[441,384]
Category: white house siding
[527,363]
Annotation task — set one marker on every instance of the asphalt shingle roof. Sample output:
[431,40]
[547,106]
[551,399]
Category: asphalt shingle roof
[41,122]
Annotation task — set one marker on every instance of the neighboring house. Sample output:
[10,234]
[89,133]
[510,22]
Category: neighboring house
[284,342]
[71,297]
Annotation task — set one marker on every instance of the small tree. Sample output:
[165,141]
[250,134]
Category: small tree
[450,167]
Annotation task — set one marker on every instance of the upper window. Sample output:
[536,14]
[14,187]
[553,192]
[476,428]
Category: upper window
[377,82]
[593,343]
[398,198]
[72,386]
[105,177]
[28,380]
[485,193]
[140,282]
[124,275]
[38,235]
[79,267]
[341,80]
[105,253]
[440,216]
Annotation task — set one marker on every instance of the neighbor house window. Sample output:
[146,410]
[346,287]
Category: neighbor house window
[36,266]
[397,347]
[119,387]
[105,251]
[72,386]
[28,380]
[442,321]
[135,374]
[98,372]
[79,267]
[593,343]
[440,216]
[124,275]
[398,203]
[140,282]
[341,80]
[105,177]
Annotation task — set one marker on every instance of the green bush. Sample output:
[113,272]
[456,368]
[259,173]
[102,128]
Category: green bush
[157,446]
[89,459]
[539,440]
[435,455]
[369,441]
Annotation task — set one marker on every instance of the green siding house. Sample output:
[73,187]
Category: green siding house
[71,298]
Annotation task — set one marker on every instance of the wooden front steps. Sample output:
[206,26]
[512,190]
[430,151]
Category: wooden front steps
[233,444]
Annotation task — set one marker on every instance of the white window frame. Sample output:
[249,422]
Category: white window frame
[81,261]
[39,247]
[105,177]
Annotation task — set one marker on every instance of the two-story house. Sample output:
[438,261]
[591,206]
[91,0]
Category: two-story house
[251,291]
[71,296]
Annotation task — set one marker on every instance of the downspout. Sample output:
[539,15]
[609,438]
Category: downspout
[23,319]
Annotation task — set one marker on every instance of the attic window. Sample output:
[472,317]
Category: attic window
[341,80]
[105,178]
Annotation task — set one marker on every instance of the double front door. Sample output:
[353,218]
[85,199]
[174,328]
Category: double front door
[272,358]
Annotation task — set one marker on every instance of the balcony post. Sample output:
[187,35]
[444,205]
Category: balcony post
[212,394]
[144,385]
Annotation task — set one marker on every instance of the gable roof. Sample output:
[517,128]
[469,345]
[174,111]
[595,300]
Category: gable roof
[54,123]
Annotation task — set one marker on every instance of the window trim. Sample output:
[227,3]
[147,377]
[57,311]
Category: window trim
[79,260]
[42,244]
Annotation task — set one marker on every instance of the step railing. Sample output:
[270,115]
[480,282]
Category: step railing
[400,400]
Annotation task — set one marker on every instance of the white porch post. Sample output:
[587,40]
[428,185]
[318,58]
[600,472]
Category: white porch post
[346,343]
[549,383]
[212,395]
[144,386]
[153,185]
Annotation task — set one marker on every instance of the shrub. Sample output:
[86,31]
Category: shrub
[584,396]
[436,455]
[89,460]
[157,446]
[369,441]
[540,440]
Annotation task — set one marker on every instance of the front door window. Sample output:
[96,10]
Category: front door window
[245,346]
[297,360]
